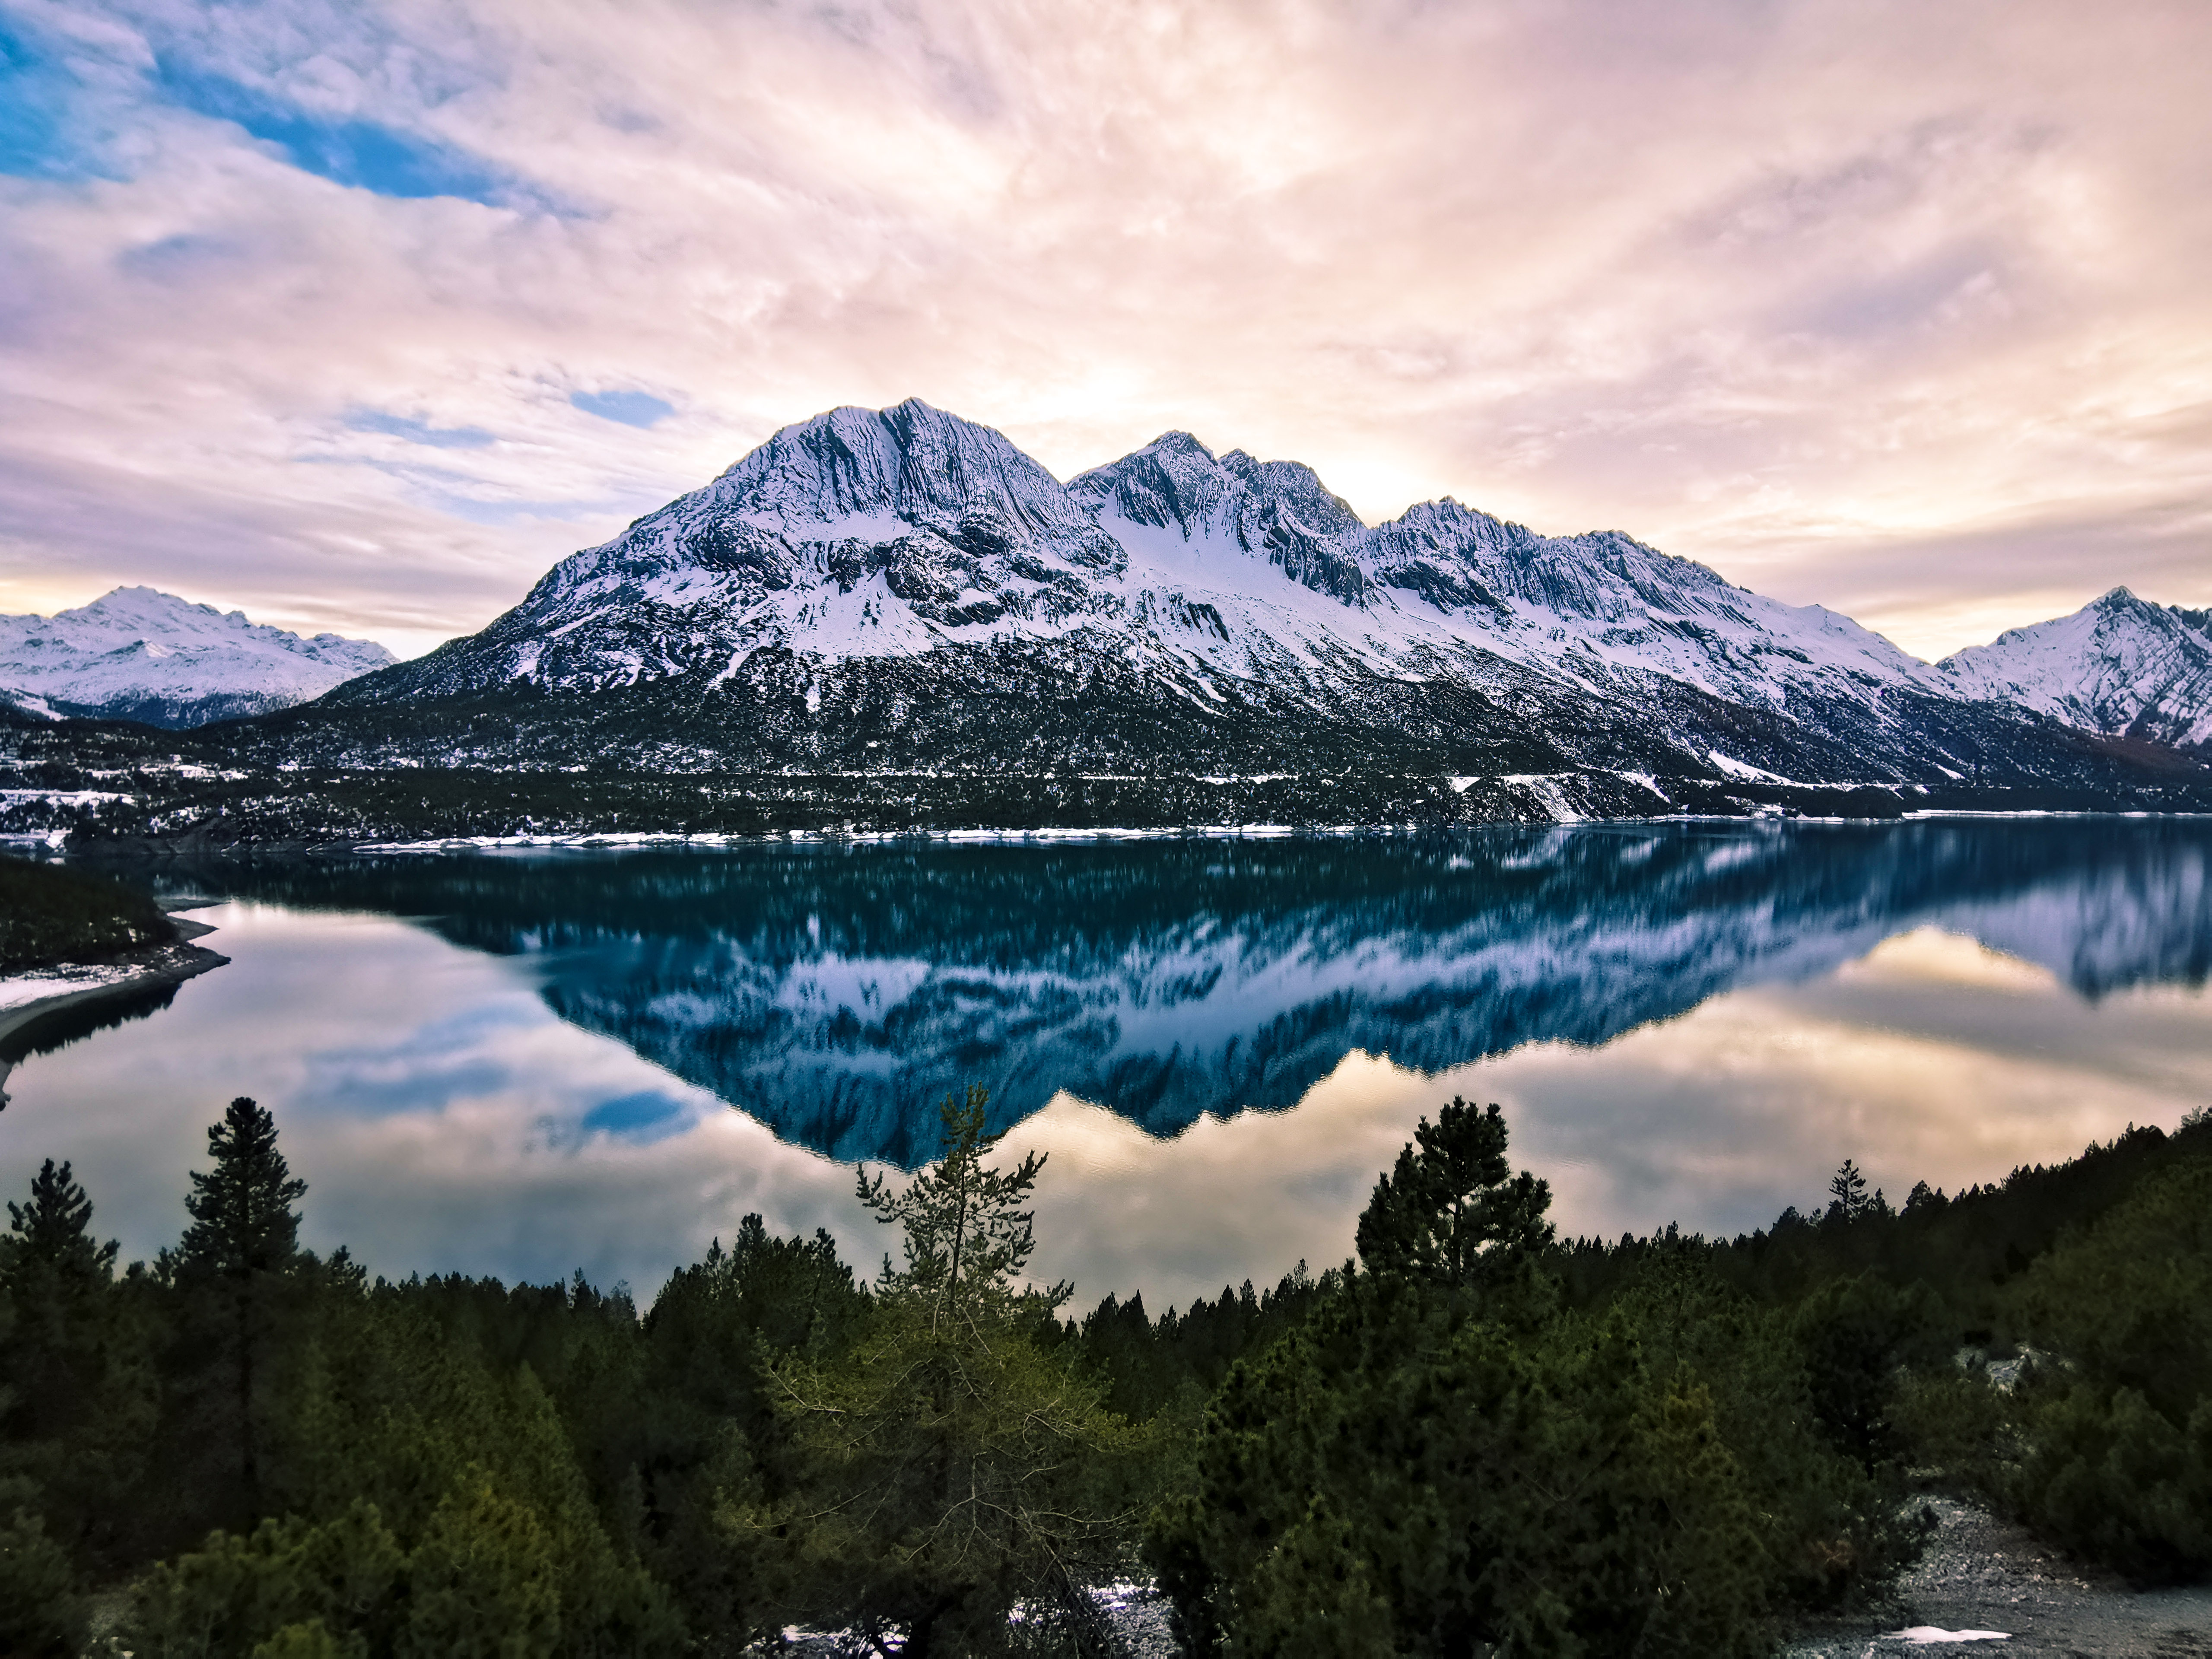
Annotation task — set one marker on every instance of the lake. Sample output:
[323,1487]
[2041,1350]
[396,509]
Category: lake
[529,1062]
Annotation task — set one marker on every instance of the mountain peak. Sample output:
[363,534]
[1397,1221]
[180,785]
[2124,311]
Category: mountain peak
[2121,665]
[859,470]
[136,652]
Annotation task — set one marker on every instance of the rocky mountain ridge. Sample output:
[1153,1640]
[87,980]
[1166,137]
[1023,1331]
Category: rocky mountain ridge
[2120,665]
[138,653]
[903,590]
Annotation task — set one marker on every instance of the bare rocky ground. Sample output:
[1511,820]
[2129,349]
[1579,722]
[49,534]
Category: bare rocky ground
[1979,1574]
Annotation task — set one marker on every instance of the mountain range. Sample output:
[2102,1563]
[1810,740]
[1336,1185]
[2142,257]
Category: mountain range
[901,592]
[139,654]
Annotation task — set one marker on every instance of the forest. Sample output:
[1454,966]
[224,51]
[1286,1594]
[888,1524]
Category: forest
[1475,1437]
[50,914]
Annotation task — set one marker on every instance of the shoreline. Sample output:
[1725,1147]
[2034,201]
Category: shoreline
[151,970]
[125,849]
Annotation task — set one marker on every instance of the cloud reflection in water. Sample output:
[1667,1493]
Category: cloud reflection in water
[1807,999]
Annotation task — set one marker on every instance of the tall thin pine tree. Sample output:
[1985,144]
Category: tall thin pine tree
[244,1231]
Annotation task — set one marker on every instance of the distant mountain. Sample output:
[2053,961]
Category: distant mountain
[903,590]
[139,654]
[2120,666]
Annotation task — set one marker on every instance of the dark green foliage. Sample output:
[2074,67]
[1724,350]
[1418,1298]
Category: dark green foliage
[243,1224]
[1847,1194]
[49,914]
[1479,1435]
[702,1429]
[1855,1334]
[1440,1460]
[234,1593]
[81,1395]
[236,1266]
[42,1611]
[1454,1216]
[2118,1427]
[967,1236]
[954,1465]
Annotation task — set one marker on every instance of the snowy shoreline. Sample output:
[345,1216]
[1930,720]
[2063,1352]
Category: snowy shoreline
[30,997]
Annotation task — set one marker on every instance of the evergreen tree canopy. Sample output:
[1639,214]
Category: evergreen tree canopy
[242,1218]
[955,1469]
[967,1236]
[1848,1189]
[53,1230]
[1452,1213]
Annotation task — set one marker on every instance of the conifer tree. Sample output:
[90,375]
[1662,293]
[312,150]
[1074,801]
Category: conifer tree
[967,1237]
[55,1274]
[1452,1213]
[242,1218]
[1848,1189]
[79,1393]
[957,1469]
[244,1233]
[54,1229]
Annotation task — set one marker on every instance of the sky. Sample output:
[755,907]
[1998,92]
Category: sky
[359,315]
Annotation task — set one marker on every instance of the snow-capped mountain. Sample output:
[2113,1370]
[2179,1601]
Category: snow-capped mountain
[137,654]
[2120,666]
[903,590]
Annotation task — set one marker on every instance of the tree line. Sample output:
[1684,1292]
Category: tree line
[1475,1437]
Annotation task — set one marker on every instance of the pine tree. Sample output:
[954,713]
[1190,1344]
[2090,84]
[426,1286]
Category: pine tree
[79,1399]
[1453,1215]
[55,1275]
[242,1220]
[957,1469]
[54,1230]
[967,1239]
[1848,1189]
[244,1234]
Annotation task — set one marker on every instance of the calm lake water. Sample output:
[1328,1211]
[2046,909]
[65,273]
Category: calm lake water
[526,1062]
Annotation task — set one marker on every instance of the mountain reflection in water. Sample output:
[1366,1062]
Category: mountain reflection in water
[836,991]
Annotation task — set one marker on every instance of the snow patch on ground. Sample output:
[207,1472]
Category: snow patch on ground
[17,989]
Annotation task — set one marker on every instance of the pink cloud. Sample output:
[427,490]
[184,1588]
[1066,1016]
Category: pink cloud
[1800,291]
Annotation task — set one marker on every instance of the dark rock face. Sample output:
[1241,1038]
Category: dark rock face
[902,589]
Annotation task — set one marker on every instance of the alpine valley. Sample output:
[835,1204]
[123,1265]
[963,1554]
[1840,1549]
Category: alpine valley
[896,620]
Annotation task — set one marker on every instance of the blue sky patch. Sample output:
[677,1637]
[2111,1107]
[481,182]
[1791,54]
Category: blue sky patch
[36,94]
[364,155]
[640,409]
[644,1117]
[419,432]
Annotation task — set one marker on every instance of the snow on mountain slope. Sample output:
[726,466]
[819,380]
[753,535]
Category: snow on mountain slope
[137,654]
[2120,666]
[905,589]
[1440,587]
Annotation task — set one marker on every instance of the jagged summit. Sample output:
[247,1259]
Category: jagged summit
[901,588]
[911,462]
[138,653]
[2120,665]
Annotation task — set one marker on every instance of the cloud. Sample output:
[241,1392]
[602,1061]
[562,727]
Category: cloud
[1798,294]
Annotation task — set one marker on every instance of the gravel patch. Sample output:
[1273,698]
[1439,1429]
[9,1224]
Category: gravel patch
[1985,1586]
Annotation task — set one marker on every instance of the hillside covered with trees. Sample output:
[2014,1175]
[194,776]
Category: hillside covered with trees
[50,914]
[1474,1436]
